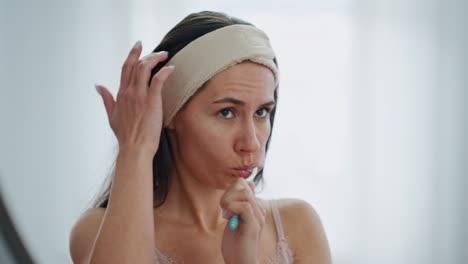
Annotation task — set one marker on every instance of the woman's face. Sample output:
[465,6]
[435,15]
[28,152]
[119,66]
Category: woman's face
[225,125]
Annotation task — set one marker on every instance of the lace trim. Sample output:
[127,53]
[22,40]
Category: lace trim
[281,246]
[161,258]
[283,252]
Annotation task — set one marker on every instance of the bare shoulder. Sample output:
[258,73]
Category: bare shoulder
[295,209]
[83,234]
[304,231]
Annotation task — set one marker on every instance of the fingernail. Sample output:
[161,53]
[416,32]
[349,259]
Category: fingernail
[224,212]
[98,89]
[171,66]
[163,52]
[137,44]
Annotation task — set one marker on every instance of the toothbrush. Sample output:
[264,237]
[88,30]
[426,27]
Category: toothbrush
[234,220]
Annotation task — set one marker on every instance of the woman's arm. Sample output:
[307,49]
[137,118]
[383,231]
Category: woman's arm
[305,232]
[125,232]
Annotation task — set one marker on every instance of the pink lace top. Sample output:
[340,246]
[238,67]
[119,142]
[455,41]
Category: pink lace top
[283,252]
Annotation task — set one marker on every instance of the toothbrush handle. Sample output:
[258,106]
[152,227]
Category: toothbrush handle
[233,222]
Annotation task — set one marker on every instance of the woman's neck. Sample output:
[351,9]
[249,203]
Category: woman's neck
[192,203]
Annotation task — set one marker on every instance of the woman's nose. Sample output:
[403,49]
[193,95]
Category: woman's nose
[247,140]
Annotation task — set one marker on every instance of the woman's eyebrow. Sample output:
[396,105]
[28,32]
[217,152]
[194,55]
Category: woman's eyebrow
[239,102]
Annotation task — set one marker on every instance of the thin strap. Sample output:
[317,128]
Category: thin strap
[277,217]
[285,255]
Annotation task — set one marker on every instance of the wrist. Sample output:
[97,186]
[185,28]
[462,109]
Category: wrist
[136,151]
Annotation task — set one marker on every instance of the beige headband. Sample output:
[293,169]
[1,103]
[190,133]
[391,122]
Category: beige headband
[209,54]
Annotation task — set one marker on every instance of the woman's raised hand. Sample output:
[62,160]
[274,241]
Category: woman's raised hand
[242,244]
[137,116]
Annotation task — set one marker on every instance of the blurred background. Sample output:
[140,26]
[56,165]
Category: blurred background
[371,123]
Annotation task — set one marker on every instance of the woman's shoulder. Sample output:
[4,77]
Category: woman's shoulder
[303,228]
[83,233]
[90,218]
[293,207]
[294,214]
[290,207]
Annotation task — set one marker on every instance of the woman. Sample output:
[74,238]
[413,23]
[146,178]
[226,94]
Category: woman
[188,137]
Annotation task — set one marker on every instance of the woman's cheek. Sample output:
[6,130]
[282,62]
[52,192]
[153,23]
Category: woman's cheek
[266,132]
[216,139]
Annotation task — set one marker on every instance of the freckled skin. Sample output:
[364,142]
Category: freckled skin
[215,141]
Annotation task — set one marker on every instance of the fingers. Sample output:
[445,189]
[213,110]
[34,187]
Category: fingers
[128,66]
[244,209]
[108,99]
[250,214]
[157,83]
[142,70]
[240,208]
[136,72]
[239,199]
[252,186]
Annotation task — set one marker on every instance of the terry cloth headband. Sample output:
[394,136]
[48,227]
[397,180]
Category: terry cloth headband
[209,54]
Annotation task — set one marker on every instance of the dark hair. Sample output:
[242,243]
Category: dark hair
[190,28]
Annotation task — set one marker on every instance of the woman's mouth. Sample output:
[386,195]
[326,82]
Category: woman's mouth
[242,173]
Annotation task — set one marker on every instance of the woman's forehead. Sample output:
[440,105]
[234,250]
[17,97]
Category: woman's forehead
[246,77]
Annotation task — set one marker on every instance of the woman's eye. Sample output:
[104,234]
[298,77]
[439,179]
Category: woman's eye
[259,112]
[225,113]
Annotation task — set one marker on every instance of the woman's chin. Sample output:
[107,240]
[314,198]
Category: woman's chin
[227,182]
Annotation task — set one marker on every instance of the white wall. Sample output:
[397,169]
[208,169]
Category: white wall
[370,126]
[410,88]
[54,139]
